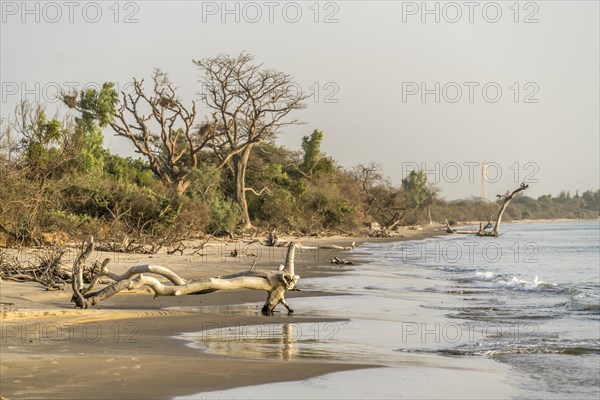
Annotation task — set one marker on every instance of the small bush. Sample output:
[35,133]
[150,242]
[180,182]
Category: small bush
[224,215]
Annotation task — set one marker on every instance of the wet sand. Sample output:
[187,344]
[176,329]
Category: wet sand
[131,357]
[127,347]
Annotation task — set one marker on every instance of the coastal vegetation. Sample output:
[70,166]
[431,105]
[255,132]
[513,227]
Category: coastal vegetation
[222,174]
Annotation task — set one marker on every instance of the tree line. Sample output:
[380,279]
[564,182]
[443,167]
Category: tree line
[216,174]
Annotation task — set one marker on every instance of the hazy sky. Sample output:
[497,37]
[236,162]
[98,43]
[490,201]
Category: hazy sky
[514,85]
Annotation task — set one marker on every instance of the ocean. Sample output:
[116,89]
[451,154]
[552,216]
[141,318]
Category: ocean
[456,316]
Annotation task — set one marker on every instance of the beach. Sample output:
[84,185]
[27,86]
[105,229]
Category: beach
[410,319]
[126,347]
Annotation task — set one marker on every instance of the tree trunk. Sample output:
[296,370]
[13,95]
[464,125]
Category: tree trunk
[181,187]
[504,205]
[240,162]
[429,213]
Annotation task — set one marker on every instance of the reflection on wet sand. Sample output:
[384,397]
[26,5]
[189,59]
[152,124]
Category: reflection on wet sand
[287,341]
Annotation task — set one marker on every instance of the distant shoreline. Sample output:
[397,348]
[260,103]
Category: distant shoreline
[553,220]
[525,221]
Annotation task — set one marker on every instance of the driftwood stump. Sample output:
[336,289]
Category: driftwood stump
[496,227]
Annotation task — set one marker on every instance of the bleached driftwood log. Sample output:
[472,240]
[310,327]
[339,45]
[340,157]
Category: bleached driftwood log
[276,283]
[496,227]
[480,232]
[330,247]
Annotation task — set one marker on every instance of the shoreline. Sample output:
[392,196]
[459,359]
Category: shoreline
[128,341]
[528,220]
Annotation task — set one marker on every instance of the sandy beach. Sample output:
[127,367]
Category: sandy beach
[126,346]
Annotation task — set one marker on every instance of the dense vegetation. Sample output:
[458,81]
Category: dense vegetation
[56,176]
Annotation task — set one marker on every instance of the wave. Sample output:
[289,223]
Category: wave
[521,284]
[504,349]
[454,269]
[513,283]
[584,302]
[485,276]
[580,299]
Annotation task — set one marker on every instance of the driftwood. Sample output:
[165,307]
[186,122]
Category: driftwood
[276,283]
[128,246]
[330,247]
[341,261]
[273,241]
[496,227]
[471,232]
[47,269]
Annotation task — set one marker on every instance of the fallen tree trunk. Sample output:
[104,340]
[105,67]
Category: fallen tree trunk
[276,283]
[459,232]
[482,229]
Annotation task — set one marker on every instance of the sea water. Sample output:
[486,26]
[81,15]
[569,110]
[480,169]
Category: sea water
[517,316]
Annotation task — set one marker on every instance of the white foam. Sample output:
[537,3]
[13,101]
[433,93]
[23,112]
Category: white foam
[485,276]
[522,284]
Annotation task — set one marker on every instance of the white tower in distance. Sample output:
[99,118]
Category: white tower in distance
[484,181]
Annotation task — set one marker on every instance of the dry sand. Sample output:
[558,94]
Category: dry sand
[125,347]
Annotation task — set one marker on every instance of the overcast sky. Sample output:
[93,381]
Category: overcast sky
[514,85]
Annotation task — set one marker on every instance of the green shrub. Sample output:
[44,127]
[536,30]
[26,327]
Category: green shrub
[224,215]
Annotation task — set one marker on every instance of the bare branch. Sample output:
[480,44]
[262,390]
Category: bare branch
[265,189]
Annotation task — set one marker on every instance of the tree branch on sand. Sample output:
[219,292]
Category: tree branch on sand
[274,241]
[276,283]
[496,227]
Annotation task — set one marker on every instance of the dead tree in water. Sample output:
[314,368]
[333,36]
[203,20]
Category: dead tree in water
[276,283]
[482,229]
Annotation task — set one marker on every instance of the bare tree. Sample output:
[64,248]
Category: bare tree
[432,192]
[388,204]
[158,124]
[368,176]
[250,106]
[506,199]
[45,145]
